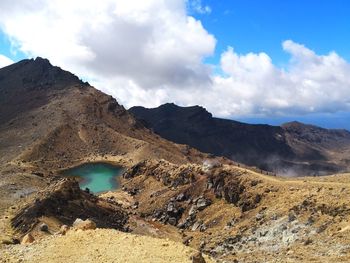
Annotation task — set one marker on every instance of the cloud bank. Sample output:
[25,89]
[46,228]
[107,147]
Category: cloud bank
[152,52]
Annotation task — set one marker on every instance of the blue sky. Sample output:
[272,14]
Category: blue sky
[262,25]
[279,67]
[7,50]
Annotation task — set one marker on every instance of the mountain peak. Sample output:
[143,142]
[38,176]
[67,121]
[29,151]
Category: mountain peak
[189,110]
[29,83]
[36,73]
[42,61]
[170,110]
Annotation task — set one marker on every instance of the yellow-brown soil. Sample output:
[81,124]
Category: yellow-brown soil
[100,245]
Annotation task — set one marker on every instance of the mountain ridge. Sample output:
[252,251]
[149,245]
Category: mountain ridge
[283,149]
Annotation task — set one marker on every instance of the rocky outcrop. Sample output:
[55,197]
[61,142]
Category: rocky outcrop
[169,174]
[170,214]
[65,201]
[230,187]
[198,186]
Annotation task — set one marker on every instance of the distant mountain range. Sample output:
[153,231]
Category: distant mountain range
[293,148]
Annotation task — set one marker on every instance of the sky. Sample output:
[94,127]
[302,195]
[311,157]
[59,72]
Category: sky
[259,61]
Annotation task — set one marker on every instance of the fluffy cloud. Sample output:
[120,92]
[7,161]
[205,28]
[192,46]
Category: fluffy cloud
[251,85]
[152,52]
[150,43]
[310,83]
[5,61]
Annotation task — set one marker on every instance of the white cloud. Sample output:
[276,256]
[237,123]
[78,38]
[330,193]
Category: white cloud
[197,7]
[253,85]
[152,52]
[5,61]
[151,43]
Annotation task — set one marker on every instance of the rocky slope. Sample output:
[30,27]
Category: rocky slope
[293,148]
[63,202]
[237,215]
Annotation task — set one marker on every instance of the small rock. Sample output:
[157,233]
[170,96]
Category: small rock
[259,216]
[202,228]
[63,230]
[7,241]
[321,228]
[187,241]
[27,239]
[192,211]
[202,244]
[195,226]
[171,208]
[291,217]
[197,258]
[202,203]
[264,233]
[307,242]
[172,221]
[254,183]
[44,227]
[181,197]
[310,220]
[209,185]
[274,217]
[84,225]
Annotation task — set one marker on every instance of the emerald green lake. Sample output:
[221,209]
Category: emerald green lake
[98,177]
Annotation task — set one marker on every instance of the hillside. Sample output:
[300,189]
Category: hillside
[51,120]
[292,149]
[232,213]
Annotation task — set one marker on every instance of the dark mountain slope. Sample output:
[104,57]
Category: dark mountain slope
[294,147]
[28,84]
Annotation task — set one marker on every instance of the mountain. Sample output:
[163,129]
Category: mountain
[51,120]
[293,148]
